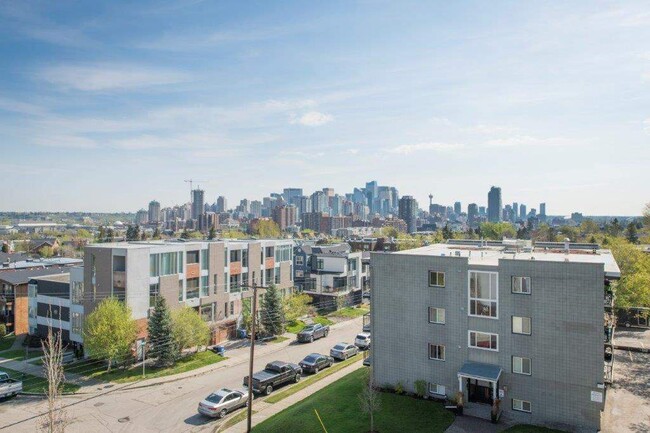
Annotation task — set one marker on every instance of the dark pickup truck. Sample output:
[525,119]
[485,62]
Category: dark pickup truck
[313,332]
[275,373]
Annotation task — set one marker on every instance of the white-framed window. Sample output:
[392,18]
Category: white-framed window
[483,340]
[483,294]
[437,315]
[437,352]
[522,365]
[521,325]
[436,389]
[436,279]
[299,260]
[521,285]
[521,405]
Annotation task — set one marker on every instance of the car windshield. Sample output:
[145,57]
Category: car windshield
[215,398]
[339,347]
[308,328]
[361,337]
[310,358]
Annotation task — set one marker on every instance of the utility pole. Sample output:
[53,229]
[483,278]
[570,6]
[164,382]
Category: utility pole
[250,361]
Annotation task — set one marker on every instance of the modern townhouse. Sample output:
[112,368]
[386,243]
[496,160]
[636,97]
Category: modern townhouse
[331,274]
[213,277]
[507,321]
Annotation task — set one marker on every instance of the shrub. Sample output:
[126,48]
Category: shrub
[399,388]
[3,330]
[420,388]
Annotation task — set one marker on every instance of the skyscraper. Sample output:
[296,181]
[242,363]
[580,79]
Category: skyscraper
[472,214]
[457,208]
[197,203]
[290,194]
[319,202]
[515,210]
[408,208]
[154,212]
[522,212]
[222,205]
[542,211]
[495,204]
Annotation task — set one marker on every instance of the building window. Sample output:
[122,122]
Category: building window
[215,284]
[207,313]
[226,286]
[437,390]
[205,286]
[299,260]
[77,292]
[320,264]
[521,285]
[522,365]
[232,307]
[483,294]
[235,256]
[192,288]
[77,323]
[205,259]
[244,258]
[154,268]
[225,309]
[244,281]
[193,257]
[180,290]
[483,340]
[154,291]
[436,279]
[437,315]
[521,405]
[521,325]
[234,284]
[437,351]
[277,275]
[225,257]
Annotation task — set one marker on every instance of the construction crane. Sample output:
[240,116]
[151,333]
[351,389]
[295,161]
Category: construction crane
[191,182]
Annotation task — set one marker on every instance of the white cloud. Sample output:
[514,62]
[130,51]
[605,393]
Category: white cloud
[406,149]
[66,141]
[313,118]
[102,77]
[527,140]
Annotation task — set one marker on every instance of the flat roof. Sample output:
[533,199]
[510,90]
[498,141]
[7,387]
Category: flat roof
[180,243]
[490,255]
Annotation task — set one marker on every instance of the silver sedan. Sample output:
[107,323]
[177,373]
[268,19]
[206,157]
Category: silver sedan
[219,403]
[343,351]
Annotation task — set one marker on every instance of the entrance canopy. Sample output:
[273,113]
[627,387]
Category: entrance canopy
[477,370]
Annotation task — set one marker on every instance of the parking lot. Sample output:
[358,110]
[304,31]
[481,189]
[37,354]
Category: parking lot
[632,337]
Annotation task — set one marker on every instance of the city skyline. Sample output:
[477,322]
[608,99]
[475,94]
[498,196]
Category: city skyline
[547,101]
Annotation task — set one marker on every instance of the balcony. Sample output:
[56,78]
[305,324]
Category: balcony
[119,279]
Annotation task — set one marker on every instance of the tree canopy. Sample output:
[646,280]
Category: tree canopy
[272,313]
[160,327]
[189,329]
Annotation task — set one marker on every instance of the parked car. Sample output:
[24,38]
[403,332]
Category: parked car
[315,361]
[219,403]
[368,361]
[362,341]
[313,332]
[8,386]
[275,373]
[343,351]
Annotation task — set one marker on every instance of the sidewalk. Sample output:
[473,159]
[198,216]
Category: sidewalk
[264,410]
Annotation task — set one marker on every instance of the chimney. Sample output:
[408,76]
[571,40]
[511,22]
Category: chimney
[566,245]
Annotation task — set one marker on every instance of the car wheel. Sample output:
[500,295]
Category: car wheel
[223,412]
[311,339]
[326,332]
[268,390]
[316,370]
[296,379]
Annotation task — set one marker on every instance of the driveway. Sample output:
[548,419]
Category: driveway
[167,407]
[627,407]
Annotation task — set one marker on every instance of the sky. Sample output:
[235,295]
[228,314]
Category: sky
[105,106]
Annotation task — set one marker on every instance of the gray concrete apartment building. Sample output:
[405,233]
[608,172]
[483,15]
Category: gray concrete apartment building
[209,276]
[505,321]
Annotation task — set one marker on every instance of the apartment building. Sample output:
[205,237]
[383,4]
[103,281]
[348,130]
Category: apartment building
[329,274]
[504,321]
[209,276]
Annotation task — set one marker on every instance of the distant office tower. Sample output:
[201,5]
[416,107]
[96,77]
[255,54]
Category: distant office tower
[243,206]
[290,194]
[222,205]
[329,192]
[408,211]
[256,208]
[319,202]
[141,217]
[154,212]
[515,210]
[495,205]
[472,214]
[304,205]
[522,212]
[481,210]
[284,216]
[197,203]
[457,208]
[336,205]
[542,210]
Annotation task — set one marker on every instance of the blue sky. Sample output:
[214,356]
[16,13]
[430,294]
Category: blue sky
[107,105]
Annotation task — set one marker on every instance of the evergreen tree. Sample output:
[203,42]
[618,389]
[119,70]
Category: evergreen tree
[631,233]
[156,233]
[272,313]
[212,234]
[163,346]
[110,234]
[185,234]
[5,247]
[446,232]
[101,236]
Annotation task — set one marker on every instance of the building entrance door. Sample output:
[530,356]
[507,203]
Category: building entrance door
[479,391]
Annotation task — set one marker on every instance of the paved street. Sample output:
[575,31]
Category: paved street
[168,407]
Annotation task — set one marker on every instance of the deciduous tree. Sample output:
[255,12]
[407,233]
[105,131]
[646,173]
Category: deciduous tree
[189,330]
[296,306]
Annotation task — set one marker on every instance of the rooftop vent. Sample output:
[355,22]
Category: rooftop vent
[566,245]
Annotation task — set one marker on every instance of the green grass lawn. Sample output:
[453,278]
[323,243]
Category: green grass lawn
[309,380]
[527,428]
[278,339]
[297,325]
[19,354]
[119,375]
[7,341]
[338,407]
[34,383]
[350,312]
[234,419]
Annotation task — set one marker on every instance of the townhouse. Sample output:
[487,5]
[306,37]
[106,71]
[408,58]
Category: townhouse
[509,322]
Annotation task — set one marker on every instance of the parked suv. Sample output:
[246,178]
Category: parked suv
[315,361]
[275,373]
[312,332]
[343,351]
[362,341]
